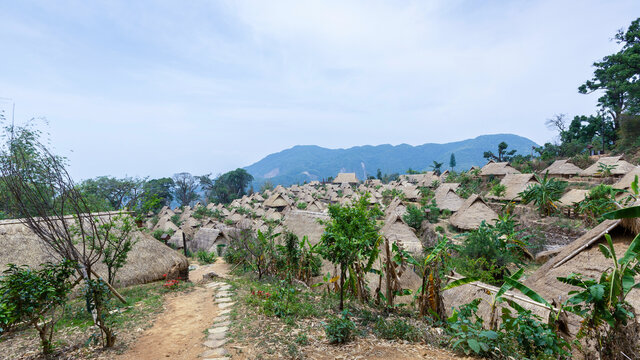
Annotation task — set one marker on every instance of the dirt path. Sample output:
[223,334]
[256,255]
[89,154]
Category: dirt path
[179,331]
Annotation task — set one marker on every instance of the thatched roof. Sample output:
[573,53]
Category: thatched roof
[207,239]
[472,213]
[572,197]
[305,223]
[498,169]
[276,201]
[148,260]
[396,230]
[621,167]
[562,168]
[346,178]
[448,200]
[514,184]
[625,182]
[583,256]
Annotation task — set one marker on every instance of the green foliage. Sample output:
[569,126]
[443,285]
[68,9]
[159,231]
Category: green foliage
[351,236]
[467,333]
[532,338]
[498,190]
[499,246]
[601,199]
[602,302]
[544,194]
[158,233]
[605,170]
[396,329]
[202,212]
[226,187]
[119,240]
[452,161]
[615,75]
[436,167]
[503,153]
[414,216]
[205,257]
[339,330]
[35,296]
[301,205]
[175,219]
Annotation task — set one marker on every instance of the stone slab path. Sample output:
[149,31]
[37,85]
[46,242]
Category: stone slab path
[217,334]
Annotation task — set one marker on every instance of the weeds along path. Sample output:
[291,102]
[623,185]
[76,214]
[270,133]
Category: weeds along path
[179,330]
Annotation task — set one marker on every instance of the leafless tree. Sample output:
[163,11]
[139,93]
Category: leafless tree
[44,196]
[557,122]
[185,188]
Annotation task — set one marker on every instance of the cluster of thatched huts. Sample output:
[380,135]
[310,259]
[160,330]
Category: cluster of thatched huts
[297,208]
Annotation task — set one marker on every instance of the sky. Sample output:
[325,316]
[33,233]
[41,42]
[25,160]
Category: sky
[152,88]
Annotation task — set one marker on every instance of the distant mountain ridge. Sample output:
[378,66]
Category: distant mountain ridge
[310,162]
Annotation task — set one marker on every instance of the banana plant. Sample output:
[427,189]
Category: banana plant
[604,300]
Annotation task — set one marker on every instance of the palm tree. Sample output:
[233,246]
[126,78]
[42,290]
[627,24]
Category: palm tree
[545,194]
[436,167]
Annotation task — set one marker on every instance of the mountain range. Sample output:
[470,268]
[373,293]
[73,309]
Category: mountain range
[309,162]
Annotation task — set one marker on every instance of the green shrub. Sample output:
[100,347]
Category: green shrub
[414,216]
[467,332]
[302,205]
[396,329]
[205,257]
[339,330]
[600,200]
[176,220]
[34,297]
[532,338]
[202,212]
[498,190]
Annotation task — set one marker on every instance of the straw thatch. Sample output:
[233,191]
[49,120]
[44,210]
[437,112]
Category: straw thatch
[497,169]
[562,168]
[346,178]
[449,200]
[277,200]
[207,239]
[305,223]
[472,213]
[583,256]
[621,167]
[396,230]
[572,197]
[514,184]
[625,182]
[148,260]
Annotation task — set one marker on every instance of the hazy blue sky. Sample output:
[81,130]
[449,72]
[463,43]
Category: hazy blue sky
[154,87]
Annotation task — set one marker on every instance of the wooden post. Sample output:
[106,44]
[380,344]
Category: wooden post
[184,244]
[113,290]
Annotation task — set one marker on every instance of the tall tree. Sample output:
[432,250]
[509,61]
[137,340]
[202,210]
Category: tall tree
[226,187]
[185,186]
[159,189]
[503,153]
[616,76]
[452,161]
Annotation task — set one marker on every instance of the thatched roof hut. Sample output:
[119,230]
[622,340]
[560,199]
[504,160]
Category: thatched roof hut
[572,197]
[148,260]
[346,178]
[396,230]
[514,185]
[278,201]
[625,182]
[207,239]
[304,223]
[621,167]
[472,213]
[583,256]
[562,168]
[448,200]
[497,169]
